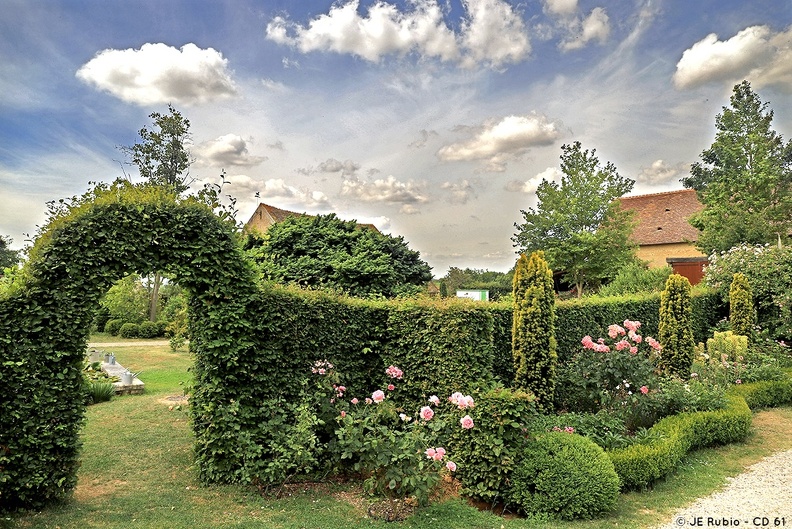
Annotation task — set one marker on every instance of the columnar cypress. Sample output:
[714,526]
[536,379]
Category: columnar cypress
[533,328]
[675,331]
[741,309]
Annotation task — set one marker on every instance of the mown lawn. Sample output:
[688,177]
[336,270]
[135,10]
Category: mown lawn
[137,472]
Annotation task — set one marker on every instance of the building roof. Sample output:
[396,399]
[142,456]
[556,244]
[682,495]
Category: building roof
[277,215]
[662,218]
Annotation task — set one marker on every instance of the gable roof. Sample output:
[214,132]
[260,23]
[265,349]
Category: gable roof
[276,215]
[662,218]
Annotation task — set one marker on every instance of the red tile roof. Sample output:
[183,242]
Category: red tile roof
[662,218]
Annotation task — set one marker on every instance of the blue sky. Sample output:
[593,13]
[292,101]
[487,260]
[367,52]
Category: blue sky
[433,119]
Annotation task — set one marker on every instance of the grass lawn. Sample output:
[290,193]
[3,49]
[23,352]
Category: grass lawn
[137,472]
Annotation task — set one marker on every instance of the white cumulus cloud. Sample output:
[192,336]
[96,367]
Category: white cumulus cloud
[551,174]
[385,190]
[498,142]
[227,150]
[459,192]
[660,172]
[491,34]
[158,73]
[576,31]
[755,53]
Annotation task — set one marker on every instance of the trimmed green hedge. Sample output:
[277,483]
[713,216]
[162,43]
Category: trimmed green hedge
[640,465]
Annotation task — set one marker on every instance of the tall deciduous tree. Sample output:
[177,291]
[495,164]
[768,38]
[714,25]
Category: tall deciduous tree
[163,159]
[162,156]
[579,223]
[327,252]
[744,179]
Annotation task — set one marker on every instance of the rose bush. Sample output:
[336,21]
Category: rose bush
[401,454]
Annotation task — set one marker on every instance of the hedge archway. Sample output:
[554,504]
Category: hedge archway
[47,311]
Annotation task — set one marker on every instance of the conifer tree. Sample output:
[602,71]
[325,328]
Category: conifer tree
[533,328]
[675,332]
[741,309]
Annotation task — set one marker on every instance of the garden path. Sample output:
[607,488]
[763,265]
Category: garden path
[759,497]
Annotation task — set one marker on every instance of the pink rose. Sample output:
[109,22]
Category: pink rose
[394,372]
[440,450]
[451,466]
[430,453]
[391,387]
[644,390]
[469,401]
[587,342]
[454,398]
[354,401]
[378,396]
[434,399]
[622,344]
[466,422]
[368,400]
[343,414]
[633,350]
[427,413]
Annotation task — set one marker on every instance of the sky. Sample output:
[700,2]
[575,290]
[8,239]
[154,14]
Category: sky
[433,119]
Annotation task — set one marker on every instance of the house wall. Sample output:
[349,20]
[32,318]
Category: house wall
[656,253]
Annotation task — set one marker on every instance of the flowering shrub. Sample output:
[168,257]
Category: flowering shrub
[768,269]
[616,374]
[400,453]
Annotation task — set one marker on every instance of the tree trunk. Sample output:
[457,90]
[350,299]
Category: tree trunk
[154,299]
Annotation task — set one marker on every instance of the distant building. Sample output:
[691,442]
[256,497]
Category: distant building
[663,233]
[266,215]
[478,295]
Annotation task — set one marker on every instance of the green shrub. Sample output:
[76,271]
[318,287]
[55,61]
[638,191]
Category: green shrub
[636,278]
[605,429]
[675,331]
[100,392]
[765,394]
[769,272]
[741,309]
[565,475]
[486,455]
[727,345]
[639,465]
[112,327]
[129,330]
[533,330]
[149,329]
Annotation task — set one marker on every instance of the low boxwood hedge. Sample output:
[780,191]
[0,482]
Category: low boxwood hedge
[639,465]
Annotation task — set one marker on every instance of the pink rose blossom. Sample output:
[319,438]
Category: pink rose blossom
[368,400]
[615,330]
[632,325]
[343,414]
[738,381]
[430,453]
[451,466]
[354,401]
[434,399]
[622,344]
[637,338]
[654,344]
[601,348]
[391,387]
[469,401]
[466,422]
[427,413]
[440,450]
[644,390]
[394,372]
[587,342]
[633,350]
[454,398]
[378,396]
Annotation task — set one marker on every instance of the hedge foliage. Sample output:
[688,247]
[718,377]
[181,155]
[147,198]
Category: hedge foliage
[673,437]
[48,310]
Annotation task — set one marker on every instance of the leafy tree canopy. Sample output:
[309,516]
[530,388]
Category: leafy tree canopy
[744,179]
[162,156]
[499,284]
[579,224]
[327,252]
[8,257]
